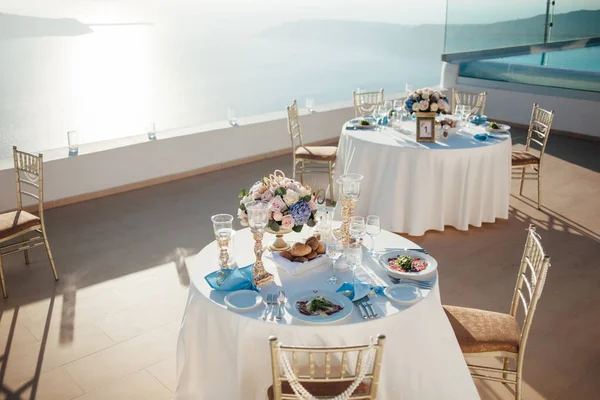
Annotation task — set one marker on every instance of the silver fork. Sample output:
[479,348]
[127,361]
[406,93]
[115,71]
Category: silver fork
[268,302]
[274,307]
[280,306]
[371,308]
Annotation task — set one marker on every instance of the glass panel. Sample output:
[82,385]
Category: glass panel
[574,19]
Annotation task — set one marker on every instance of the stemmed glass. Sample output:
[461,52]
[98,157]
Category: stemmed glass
[258,219]
[353,257]
[408,87]
[373,228]
[466,113]
[380,112]
[334,252]
[222,226]
[357,228]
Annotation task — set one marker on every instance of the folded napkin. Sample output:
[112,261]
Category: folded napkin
[479,119]
[232,279]
[481,136]
[359,289]
[297,268]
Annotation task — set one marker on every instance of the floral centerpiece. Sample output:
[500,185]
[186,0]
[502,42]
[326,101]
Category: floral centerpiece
[293,205]
[427,100]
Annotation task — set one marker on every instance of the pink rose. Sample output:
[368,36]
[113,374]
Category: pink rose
[441,104]
[267,196]
[292,186]
[312,204]
[423,105]
[277,204]
[277,216]
[287,222]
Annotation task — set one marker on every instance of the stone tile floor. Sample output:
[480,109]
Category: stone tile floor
[108,328]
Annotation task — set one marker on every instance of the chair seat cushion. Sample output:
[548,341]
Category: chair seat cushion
[524,158]
[325,389]
[16,221]
[317,153]
[480,331]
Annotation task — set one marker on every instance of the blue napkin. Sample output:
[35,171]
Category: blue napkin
[232,279]
[359,289]
[479,119]
[481,136]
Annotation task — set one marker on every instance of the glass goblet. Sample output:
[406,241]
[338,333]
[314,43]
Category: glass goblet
[353,257]
[334,252]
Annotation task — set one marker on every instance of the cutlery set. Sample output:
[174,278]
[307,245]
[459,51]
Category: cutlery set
[365,307]
[274,306]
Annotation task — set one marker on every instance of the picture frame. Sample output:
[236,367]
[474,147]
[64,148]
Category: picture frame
[426,126]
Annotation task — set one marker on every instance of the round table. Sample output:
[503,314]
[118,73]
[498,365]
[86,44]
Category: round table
[224,354]
[415,186]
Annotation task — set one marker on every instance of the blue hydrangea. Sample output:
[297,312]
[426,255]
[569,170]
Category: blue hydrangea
[301,212]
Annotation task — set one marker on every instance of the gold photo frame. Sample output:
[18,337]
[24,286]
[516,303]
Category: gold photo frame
[426,126]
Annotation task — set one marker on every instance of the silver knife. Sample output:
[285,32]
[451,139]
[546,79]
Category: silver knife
[370,306]
[363,310]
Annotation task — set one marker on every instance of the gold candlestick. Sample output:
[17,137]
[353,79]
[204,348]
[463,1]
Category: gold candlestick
[347,213]
[261,276]
[224,253]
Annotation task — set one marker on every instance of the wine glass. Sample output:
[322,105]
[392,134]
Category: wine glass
[222,226]
[408,87]
[380,112]
[231,116]
[334,252]
[353,257]
[459,110]
[357,227]
[373,228]
[466,113]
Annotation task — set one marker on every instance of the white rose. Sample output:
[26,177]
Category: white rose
[425,95]
[415,106]
[291,198]
[247,199]
[415,96]
[433,107]
[304,192]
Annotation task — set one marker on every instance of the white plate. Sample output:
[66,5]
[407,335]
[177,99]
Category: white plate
[503,128]
[403,294]
[243,300]
[336,298]
[423,275]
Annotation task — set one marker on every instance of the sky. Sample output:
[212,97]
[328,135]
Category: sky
[279,11]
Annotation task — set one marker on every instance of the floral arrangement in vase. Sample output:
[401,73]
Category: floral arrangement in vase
[427,100]
[293,204]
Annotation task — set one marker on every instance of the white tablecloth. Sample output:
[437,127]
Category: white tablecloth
[224,355]
[415,187]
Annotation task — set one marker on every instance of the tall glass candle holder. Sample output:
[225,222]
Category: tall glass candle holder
[223,228]
[258,219]
[349,194]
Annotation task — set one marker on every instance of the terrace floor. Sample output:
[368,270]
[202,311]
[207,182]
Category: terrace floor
[108,328]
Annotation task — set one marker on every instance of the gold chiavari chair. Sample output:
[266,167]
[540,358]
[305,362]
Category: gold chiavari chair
[475,100]
[492,334]
[27,228]
[333,377]
[366,103]
[540,124]
[315,159]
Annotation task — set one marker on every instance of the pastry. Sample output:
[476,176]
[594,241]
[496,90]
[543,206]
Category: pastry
[313,242]
[286,254]
[313,254]
[300,259]
[321,248]
[300,250]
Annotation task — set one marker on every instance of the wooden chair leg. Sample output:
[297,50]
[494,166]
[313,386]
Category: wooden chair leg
[2,280]
[522,180]
[26,252]
[331,196]
[50,255]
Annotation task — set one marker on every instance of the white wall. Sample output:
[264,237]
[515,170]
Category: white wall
[100,170]
[572,114]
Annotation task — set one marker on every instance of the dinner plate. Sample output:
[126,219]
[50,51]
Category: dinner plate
[503,128]
[403,294]
[355,123]
[422,275]
[243,300]
[336,298]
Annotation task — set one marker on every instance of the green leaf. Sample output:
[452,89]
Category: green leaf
[311,222]
[274,225]
[297,228]
[306,198]
[243,192]
[242,207]
[280,191]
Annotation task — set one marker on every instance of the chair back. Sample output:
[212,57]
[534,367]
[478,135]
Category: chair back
[294,126]
[530,282]
[469,99]
[29,178]
[366,103]
[334,366]
[539,128]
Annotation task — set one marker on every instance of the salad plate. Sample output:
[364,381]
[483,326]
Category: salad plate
[363,123]
[243,300]
[403,294]
[497,128]
[410,264]
[329,307]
